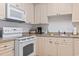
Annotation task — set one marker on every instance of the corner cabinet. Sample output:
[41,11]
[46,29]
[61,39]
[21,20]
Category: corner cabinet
[59,9]
[75,14]
[7,48]
[41,13]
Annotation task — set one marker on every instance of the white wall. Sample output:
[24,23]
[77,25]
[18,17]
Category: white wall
[60,23]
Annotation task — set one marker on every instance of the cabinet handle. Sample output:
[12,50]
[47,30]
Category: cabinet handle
[5,46]
[50,41]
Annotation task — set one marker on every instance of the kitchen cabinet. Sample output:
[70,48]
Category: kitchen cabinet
[7,48]
[44,18]
[40,46]
[55,46]
[2,10]
[29,10]
[75,13]
[41,13]
[37,14]
[51,46]
[59,8]
[76,46]
[65,47]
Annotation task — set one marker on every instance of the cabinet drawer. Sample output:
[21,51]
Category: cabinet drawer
[10,53]
[6,45]
[7,48]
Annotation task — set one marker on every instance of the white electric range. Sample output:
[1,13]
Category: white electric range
[25,46]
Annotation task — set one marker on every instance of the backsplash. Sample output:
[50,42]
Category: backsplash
[25,26]
[62,23]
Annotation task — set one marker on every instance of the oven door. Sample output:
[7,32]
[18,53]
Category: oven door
[27,48]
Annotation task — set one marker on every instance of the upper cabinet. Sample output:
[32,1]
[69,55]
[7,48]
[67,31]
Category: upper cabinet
[44,18]
[41,13]
[29,10]
[2,10]
[59,8]
[75,14]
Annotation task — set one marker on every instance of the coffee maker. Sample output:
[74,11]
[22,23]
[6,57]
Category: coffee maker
[39,30]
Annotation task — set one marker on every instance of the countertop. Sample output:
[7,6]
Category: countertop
[62,36]
[41,35]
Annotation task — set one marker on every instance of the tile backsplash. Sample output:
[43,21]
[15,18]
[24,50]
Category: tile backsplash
[25,26]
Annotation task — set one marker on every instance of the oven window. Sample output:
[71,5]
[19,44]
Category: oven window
[28,49]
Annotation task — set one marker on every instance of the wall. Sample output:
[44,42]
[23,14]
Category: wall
[25,26]
[60,23]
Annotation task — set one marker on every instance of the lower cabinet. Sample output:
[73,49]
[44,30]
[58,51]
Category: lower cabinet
[65,47]
[55,46]
[76,46]
[50,46]
[7,48]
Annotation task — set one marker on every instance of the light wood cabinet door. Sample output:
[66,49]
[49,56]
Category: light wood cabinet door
[7,48]
[52,9]
[29,11]
[76,46]
[40,46]
[59,9]
[51,46]
[2,10]
[65,47]
[37,14]
[75,13]
[64,8]
[43,11]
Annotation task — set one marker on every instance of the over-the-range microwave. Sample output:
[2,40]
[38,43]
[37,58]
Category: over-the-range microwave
[14,14]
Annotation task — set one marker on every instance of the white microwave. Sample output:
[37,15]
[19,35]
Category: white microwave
[14,14]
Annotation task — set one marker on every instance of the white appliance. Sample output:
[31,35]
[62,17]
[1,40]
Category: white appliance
[25,46]
[14,14]
[11,32]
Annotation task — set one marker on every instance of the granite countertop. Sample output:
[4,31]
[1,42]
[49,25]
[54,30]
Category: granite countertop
[64,36]
[41,35]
